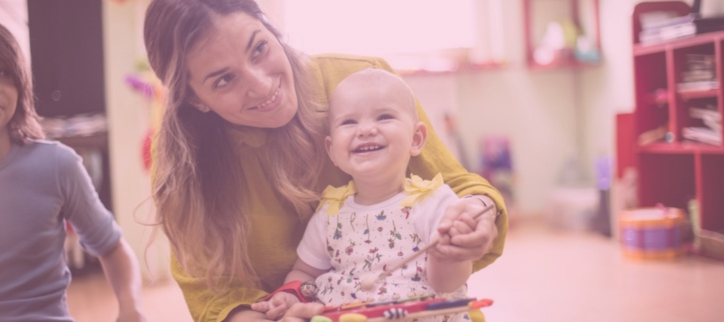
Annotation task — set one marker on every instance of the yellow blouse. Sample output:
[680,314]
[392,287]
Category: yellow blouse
[277,229]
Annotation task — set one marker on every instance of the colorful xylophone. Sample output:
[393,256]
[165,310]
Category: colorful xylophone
[397,310]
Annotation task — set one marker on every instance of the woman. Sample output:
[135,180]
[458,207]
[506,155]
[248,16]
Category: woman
[239,158]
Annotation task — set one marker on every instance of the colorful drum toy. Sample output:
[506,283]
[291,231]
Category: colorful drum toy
[652,233]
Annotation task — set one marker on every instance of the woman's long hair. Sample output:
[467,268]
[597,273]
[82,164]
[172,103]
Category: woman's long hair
[23,126]
[198,184]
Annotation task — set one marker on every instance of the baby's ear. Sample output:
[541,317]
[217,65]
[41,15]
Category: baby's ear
[328,146]
[419,137]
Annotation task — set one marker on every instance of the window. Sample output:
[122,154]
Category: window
[410,34]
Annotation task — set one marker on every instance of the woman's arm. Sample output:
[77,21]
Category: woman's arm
[121,270]
[206,304]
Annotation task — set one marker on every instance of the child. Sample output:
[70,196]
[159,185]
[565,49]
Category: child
[381,216]
[43,184]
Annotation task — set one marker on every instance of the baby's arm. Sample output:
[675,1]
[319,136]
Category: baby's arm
[448,273]
[447,269]
[303,272]
[282,301]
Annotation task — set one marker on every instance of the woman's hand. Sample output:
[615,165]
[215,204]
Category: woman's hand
[298,312]
[463,238]
[276,306]
[302,312]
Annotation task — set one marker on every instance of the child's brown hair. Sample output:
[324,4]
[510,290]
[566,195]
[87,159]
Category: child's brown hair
[23,126]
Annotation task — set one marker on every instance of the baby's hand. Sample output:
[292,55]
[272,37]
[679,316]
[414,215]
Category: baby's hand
[462,226]
[276,306]
[465,233]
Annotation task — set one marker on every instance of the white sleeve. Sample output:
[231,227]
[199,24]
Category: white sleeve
[428,212]
[313,247]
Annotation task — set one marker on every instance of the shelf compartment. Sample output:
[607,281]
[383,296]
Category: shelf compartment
[681,148]
[701,114]
[650,76]
[711,191]
[583,14]
[666,179]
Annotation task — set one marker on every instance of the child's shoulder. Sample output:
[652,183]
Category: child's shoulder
[47,150]
[418,189]
[333,198]
[48,146]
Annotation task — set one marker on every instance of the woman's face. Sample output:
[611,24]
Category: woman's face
[240,71]
[8,100]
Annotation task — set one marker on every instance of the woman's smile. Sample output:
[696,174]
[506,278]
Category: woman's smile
[272,102]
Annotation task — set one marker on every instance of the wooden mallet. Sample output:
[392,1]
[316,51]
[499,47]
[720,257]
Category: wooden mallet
[369,284]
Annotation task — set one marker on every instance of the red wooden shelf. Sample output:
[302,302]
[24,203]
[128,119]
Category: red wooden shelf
[674,173]
[681,148]
[471,67]
[565,64]
[707,38]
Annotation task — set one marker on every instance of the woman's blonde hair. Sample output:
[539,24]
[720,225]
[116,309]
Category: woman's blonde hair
[23,126]
[198,180]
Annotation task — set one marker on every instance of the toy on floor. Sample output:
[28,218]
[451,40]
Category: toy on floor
[652,233]
[399,310]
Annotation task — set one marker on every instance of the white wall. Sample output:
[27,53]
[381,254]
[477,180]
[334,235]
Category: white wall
[535,110]
[14,16]
[128,119]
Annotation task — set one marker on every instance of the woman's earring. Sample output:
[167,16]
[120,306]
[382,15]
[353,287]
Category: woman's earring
[205,109]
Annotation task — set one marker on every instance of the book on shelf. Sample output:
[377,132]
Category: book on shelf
[708,115]
[696,86]
[698,75]
[704,113]
[679,27]
[702,134]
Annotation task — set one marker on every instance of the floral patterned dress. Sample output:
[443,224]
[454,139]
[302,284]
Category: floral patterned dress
[361,241]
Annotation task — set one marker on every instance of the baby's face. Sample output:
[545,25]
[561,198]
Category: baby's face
[373,129]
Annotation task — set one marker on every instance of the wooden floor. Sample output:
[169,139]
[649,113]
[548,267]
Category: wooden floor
[545,275]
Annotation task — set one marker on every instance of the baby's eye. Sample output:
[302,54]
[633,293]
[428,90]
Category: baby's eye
[383,117]
[348,122]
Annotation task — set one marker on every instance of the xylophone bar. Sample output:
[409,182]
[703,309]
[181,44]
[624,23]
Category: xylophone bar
[460,309]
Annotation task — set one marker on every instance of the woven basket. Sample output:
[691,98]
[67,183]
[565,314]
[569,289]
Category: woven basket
[711,243]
